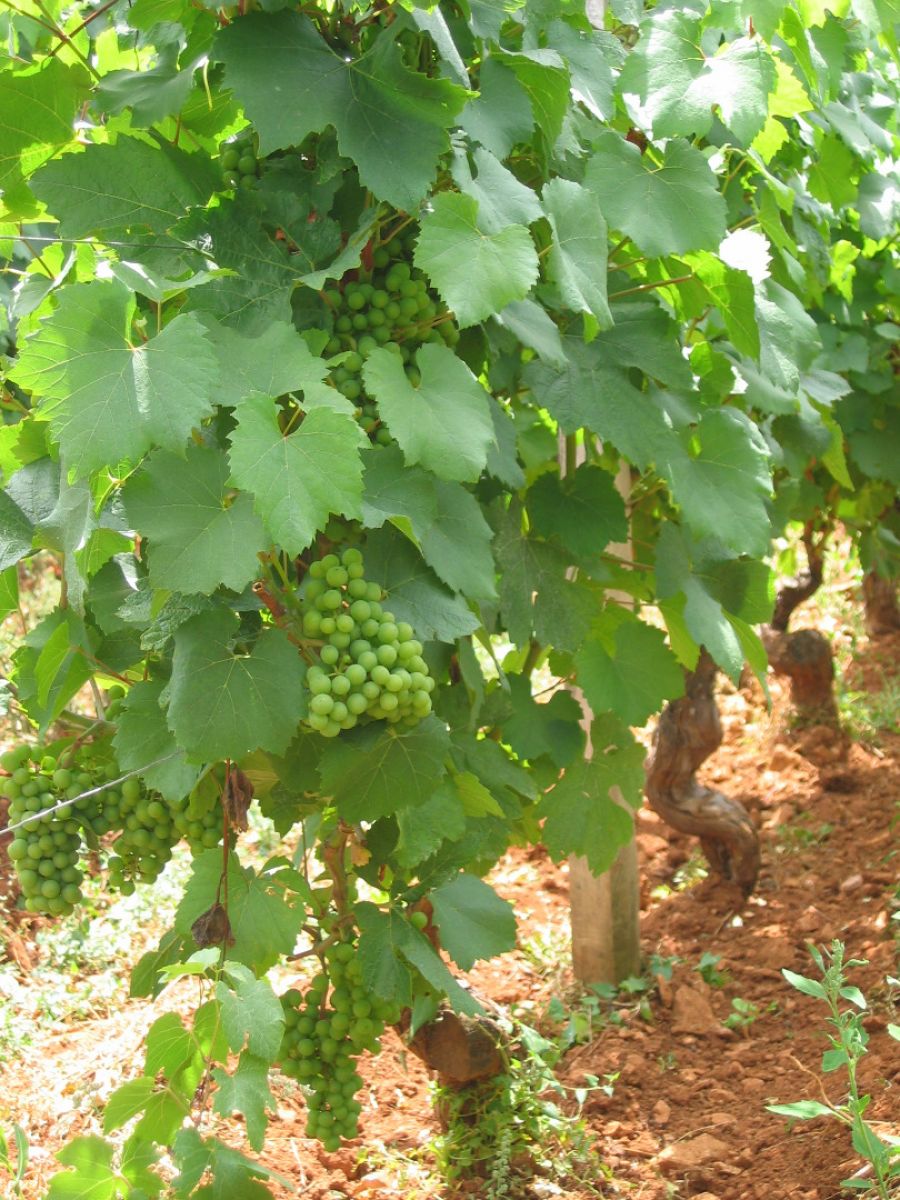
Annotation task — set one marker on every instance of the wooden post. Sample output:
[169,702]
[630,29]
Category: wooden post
[604,909]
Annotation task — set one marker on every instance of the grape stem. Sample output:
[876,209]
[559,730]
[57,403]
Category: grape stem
[323,943]
[333,860]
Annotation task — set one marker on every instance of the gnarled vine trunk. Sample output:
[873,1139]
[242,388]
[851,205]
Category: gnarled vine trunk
[880,602]
[803,656]
[461,1050]
[792,592]
[689,730]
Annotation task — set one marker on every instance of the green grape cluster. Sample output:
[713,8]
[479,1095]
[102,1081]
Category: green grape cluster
[201,832]
[239,160]
[393,309]
[46,850]
[148,835]
[325,1032]
[368,665]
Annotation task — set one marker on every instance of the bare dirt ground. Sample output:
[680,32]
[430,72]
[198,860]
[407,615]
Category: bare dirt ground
[686,1117]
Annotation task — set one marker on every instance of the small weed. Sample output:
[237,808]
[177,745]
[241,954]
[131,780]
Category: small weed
[708,970]
[667,1062]
[865,715]
[549,951]
[791,839]
[602,1004]
[848,1041]
[693,871]
[743,1014]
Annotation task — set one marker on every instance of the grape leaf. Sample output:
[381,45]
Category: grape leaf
[200,535]
[591,58]
[92,1176]
[444,518]
[590,392]
[145,975]
[416,594]
[233,1176]
[127,1101]
[16,532]
[299,479]
[477,272]
[580,814]
[257,274]
[126,185]
[69,672]
[722,482]
[543,75]
[444,423]
[533,326]
[564,611]
[731,291]
[251,1013]
[142,738]
[680,85]
[536,729]
[423,827]
[457,544]
[633,681]
[683,570]
[247,1092]
[375,770]
[153,94]
[9,588]
[665,209]
[392,489]
[108,397]
[583,510]
[170,1047]
[502,199]
[386,941]
[264,911]
[271,363]
[37,115]
[381,934]
[135,1160]
[223,705]
[472,920]
[527,568]
[391,121]
[578,253]
[501,114]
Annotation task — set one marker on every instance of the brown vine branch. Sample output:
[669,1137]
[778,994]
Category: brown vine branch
[688,732]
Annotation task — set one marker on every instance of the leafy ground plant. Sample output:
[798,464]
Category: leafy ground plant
[14,1164]
[520,1125]
[848,1041]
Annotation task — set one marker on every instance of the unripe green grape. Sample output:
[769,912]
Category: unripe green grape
[247,165]
[386,655]
[355,674]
